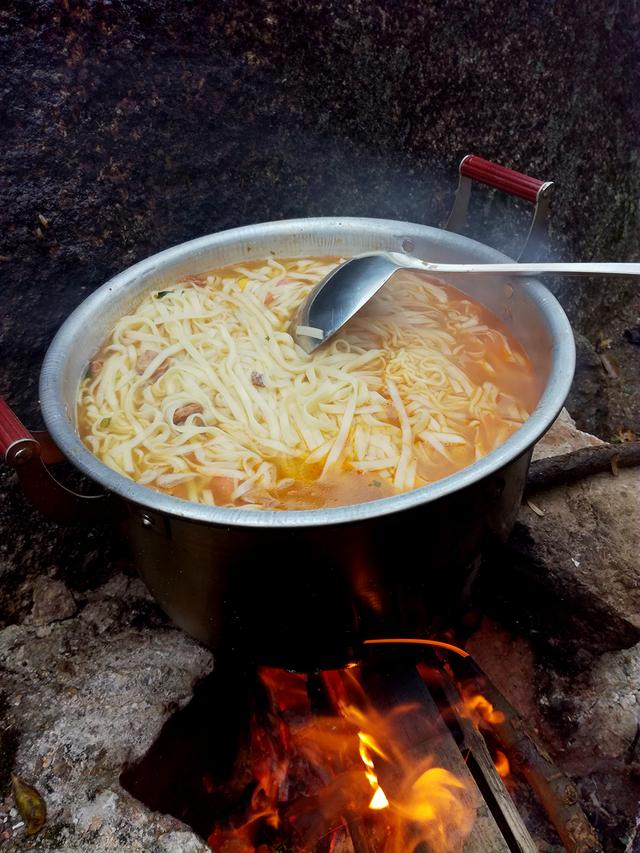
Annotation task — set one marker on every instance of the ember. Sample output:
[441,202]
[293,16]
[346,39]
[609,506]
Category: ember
[502,764]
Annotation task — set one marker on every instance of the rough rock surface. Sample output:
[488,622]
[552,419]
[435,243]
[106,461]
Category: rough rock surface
[564,641]
[52,602]
[83,695]
[588,399]
[586,548]
[32,549]
[571,562]
[563,437]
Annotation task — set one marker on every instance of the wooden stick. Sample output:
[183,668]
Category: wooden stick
[569,467]
[556,791]
[475,743]
[358,835]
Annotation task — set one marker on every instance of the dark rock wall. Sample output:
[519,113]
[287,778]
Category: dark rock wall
[132,126]
[128,127]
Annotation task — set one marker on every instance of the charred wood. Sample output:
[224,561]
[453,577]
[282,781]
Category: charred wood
[578,464]
[555,789]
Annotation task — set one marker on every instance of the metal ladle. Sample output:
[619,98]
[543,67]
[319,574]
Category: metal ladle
[352,284]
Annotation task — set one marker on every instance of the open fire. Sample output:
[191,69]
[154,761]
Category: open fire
[329,770]
[388,756]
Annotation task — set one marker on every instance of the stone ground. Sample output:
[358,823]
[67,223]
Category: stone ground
[87,689]
[90,676]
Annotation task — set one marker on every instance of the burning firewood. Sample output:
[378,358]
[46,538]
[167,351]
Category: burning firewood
[554,788]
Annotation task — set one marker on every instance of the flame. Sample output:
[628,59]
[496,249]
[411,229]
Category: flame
[502,764]
[315,778]
[379,799]
[480,710]
[436,803]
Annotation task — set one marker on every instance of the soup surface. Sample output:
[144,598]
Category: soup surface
[202,393]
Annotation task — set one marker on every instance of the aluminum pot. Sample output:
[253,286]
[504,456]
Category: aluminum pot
[300,589]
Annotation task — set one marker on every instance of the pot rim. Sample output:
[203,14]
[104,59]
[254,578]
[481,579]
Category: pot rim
[67,439]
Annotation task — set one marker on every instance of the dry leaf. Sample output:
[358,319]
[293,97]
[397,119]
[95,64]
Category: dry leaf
[610,365]
[535,508]
[30,804]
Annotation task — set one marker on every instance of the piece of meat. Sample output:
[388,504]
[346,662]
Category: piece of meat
[222,488]
[257,379]
[95,367]
[161,369]
[144,360]
[182,413]
[197,280]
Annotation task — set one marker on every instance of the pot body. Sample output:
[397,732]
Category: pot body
[303,589]
[306,598]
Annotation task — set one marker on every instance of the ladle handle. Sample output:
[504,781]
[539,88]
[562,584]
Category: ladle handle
[533,269]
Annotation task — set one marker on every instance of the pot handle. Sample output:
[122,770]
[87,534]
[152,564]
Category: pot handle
[27,455]
[11,429]
[474,168]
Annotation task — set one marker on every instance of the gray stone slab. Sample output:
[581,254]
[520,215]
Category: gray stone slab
[85,694]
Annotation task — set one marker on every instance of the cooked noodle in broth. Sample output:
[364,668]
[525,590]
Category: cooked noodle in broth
[203,394]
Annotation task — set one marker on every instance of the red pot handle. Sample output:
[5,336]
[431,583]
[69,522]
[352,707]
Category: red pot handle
[27,453]
[12,430]
[474,168]
[501,178]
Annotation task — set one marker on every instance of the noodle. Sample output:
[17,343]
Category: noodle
[202,393]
